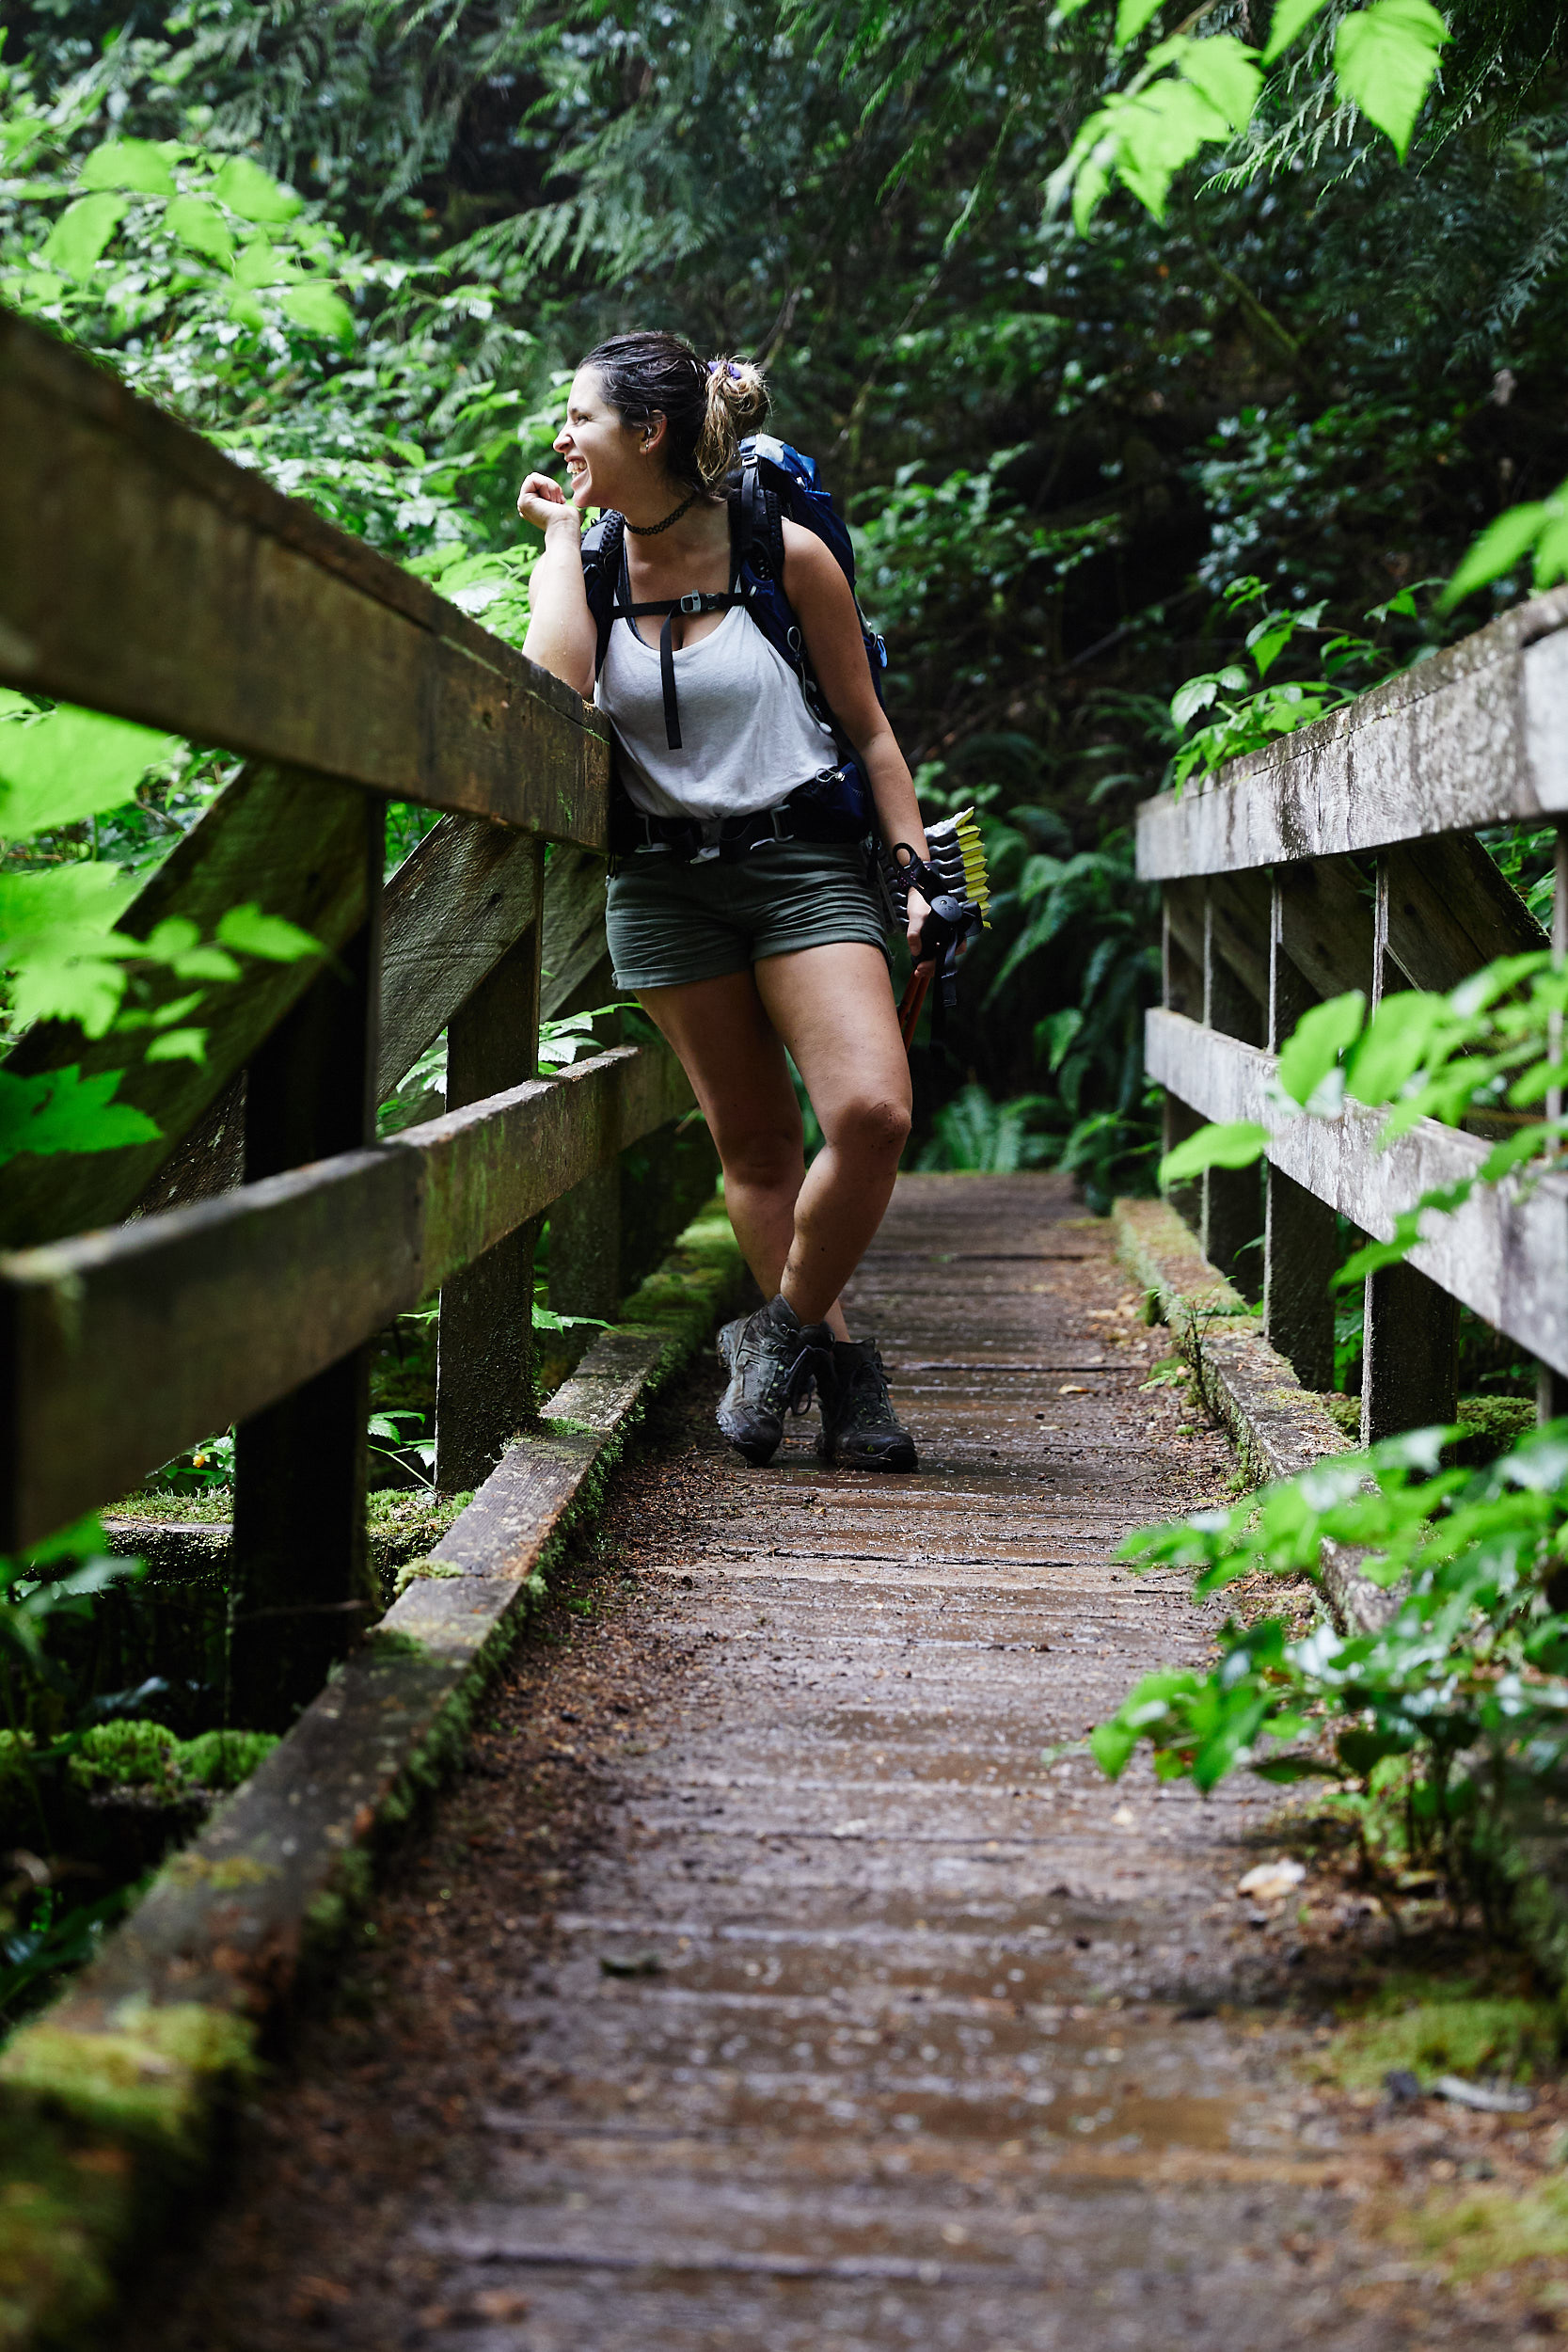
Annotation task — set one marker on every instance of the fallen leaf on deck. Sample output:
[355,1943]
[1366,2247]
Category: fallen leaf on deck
[1271,1880]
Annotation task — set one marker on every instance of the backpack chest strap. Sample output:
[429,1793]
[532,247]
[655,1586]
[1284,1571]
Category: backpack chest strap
[623,610]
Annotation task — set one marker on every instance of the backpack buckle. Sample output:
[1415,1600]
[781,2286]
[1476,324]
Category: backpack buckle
[690,603]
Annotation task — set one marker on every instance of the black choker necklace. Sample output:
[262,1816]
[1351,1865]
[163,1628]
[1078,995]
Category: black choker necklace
[651,531]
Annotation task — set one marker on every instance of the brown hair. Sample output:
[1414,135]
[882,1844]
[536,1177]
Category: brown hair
[707,405]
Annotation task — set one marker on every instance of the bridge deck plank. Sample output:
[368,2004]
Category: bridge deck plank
[761,1988]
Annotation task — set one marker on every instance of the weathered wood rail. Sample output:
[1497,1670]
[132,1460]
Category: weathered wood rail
[144,574]
[1346,857]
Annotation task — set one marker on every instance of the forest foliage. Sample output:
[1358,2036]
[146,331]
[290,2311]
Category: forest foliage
[1136,351]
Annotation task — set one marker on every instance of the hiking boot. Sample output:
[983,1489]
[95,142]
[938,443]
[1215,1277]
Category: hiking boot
[771,1358]
[859,1430]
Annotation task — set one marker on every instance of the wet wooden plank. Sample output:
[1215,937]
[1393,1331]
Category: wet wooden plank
[143,572]
[1478,736]
[122,1347]
[1502,1254]
[452,910]
[1448,911]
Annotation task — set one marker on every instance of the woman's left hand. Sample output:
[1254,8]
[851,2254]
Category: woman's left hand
[918,910]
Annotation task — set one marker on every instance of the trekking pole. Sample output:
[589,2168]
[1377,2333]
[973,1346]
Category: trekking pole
[959,911]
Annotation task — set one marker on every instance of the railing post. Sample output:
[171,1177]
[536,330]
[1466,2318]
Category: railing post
[485,1385]
[302,1587]
[1182,989]
[1551,1388]
[1410,1340]
[585,1223]
[1299,1229]
[1232,1196]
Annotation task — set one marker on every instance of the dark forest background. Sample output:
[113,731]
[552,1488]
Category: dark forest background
[1319,376]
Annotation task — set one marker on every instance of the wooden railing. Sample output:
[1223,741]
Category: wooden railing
[236,1269]
[1345,857]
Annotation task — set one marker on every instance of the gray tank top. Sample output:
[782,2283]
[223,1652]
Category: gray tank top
[749,739]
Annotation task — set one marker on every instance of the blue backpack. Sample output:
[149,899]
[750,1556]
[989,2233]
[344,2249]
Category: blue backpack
[773,484]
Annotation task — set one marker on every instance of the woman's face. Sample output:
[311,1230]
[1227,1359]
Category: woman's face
[601,451]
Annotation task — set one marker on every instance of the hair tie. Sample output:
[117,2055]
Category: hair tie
[730,370]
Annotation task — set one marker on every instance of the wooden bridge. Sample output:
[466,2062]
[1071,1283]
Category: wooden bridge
[765,1980]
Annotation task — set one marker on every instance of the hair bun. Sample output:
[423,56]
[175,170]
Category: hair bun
[738,402]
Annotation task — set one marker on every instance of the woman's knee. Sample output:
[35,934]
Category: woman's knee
[768,1158]
[874,1123]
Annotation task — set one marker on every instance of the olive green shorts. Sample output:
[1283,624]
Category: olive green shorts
[670,922]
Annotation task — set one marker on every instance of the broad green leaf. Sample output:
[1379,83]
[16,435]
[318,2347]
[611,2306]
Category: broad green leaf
[1289,18]
[1112,1748]
[206,964]
[1385,60]
[257,265]
[134,164]
[1235,1146]
[250,932]
[1267,641]
[1501,545]
[59,1110]
[1132,16]
[246,309]
[1197,695]
[1093,179]
[82,231]
[1551,549]
[70,765]
[321,310]
[175,935]
[254,194]
[179,1045]
[1320,1037]
[200,226]
[1160,130]
[1227,73]
[1395,1040]
[79,987]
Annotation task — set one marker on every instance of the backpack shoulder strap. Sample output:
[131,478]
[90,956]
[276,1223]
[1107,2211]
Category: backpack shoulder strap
[604,570]
[756,525]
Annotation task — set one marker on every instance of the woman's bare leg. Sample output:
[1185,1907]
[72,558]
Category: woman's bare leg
[802,1233]
[833,1008]
[731,1052]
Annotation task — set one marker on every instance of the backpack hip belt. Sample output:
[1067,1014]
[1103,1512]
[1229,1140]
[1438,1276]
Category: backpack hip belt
[812,812]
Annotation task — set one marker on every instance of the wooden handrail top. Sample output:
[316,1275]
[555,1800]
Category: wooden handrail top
[254,624]
[1477,736]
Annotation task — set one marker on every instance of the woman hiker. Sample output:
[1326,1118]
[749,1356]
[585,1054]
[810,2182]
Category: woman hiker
[738,958]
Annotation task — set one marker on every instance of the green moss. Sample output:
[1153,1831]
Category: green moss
[212,1506]
[1483,2231]
[418,1571]
[391,1642]
[1493,1424]
[136,1753]
[1447,2036]
[130,1754]
[153,2078]
[222,1759]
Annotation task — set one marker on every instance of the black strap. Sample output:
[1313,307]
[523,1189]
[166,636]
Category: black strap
[624,610]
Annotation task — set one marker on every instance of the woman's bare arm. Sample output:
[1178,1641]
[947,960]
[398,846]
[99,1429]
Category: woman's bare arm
[821,598]
[560,633]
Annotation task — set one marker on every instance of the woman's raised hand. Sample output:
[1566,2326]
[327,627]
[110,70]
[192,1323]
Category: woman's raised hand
[542,502]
